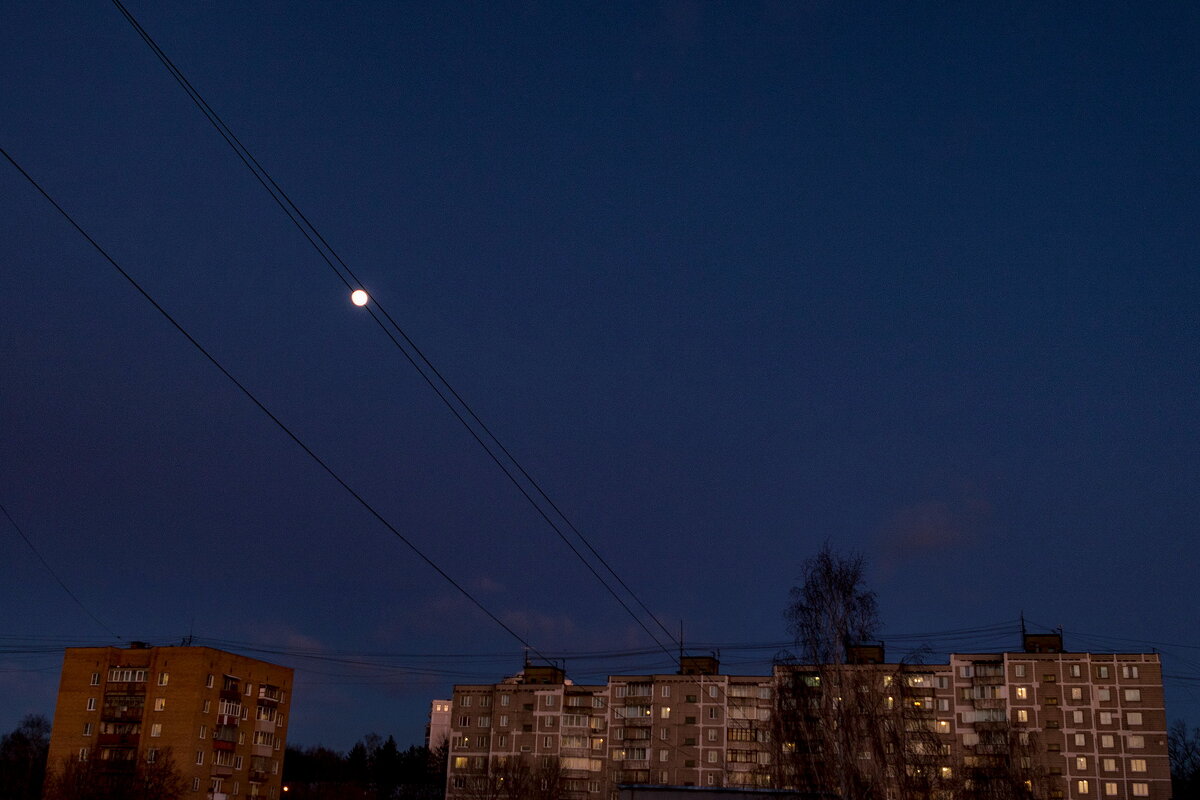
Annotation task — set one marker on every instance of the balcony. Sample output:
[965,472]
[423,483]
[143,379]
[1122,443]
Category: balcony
[222,744]
[271,694]
[117,740]
[258,775]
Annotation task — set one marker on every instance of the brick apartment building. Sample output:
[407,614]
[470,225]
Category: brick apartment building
[1095,723]
[222,716]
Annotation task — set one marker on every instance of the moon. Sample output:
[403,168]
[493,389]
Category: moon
[359,297]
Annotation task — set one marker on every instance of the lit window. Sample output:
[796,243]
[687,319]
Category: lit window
[1081,762]
[1106,740]
[1110,765]
[1133,718]
[156,729]
[1077,717]
[160,704]
[947,772]
[1133,695]
[1137,765]
[1110,788]
[943,726]
[664,712]
[1022,715]
[91,704]
[1141,789]
[1022,693]
[1137,742]
[1076,692]
[1080,740]
[1081,787]
[163,678]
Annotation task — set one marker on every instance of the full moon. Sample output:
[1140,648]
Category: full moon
[359,297]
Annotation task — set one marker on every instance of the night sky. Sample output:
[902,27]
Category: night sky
[730,280]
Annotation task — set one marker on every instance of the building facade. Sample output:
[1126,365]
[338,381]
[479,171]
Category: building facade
[222,717]
[1081,726]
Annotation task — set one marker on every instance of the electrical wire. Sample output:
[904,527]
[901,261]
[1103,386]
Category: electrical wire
[417,357]
[250,395]
[54,574]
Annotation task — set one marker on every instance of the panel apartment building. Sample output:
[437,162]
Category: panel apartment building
[222,716]
[1095,723]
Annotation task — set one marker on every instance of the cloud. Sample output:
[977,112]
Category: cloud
[931,528]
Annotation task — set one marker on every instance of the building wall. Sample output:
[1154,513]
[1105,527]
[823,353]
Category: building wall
[122,705]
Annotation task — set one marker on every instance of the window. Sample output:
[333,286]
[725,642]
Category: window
[1081,762]
[1106,740]
[1049,677]
[549,701]
[95,679]
[1076,692]
[547,741]
[1104,695]
[485,702]
[712,756]
[160,704]
[1081,787]
[1141,790]
[1137,765]
[1022,693]
[1133,695]
[87,729]
[664,734]
[1075,671]
[485,722]
[1080,740]
[195,784]
[664,712]
[1129,671]
[712,692]
[1077,717]
[151,755]
[711,734]
[163,678]
[156,729]
[237,762]
[1018,670]
[1109,765]
[199,756]
[207,706]
[664,755]
[943,726]
[712,712]
[83,754]
[691,698]
[504,720]
[1133,718]
[1106,718]
[91,704]
[1022,715]
[666,690]
[1110,788]
[689,720]
[464,721]
[1101,672]
[208,682]
[1137,742]
[943,704]
[465,701]
[505,699]
[249,689]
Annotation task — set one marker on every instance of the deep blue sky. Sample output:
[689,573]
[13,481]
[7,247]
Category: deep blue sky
[730,279]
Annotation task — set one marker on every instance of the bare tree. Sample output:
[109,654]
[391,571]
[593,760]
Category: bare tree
[100,780]
[1183,750]
[831,609]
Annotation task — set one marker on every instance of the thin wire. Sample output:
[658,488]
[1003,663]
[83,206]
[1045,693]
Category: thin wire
[325,250]
[279,423]
[54,574]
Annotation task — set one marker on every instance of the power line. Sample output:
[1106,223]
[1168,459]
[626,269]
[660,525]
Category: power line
[416,357]
[279,423]
[54,574]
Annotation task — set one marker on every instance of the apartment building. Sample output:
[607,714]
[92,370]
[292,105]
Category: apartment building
[695,728]
[1087,726]
[221,716]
